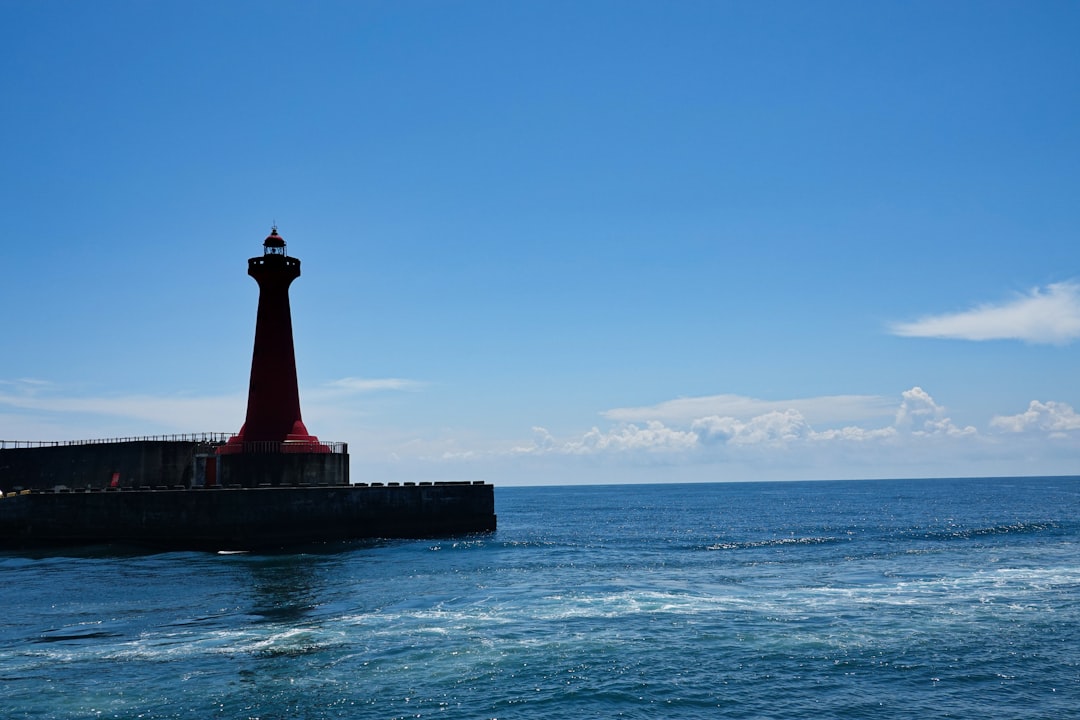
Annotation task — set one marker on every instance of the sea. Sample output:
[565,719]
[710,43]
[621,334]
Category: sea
[946,598]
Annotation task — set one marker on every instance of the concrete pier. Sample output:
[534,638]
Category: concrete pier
[131,462]
[235,518]
[190,461]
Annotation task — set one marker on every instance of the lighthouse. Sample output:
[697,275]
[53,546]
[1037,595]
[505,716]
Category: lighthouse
[273,422]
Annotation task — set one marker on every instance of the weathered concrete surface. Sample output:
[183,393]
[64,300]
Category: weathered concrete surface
[253,470]
[244,518]
[139,462]
[162,463]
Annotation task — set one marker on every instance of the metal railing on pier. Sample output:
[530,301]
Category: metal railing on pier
[213,438]
[271,447]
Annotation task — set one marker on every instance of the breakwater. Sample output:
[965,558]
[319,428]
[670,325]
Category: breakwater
[179,493]
[244,518]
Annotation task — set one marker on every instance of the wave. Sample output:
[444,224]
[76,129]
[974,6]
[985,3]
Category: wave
[967,533]
[53,637]
[775,542]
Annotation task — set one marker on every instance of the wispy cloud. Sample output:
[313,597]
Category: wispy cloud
[367,385]
[125,415]
[1042,316]
[337,396]
[825,409]
[33,404]
[27,383]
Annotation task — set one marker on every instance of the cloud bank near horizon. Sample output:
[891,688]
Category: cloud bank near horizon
[1043,316]
[776,425]
[917,439]
[909,435]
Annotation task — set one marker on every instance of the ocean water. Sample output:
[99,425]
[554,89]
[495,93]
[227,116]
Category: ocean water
[873,599]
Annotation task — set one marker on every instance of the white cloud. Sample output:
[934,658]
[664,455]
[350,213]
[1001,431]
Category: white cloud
[855,434]
[1051,417]
[1043,316]
[774,427]
[824,409]
[654,437]
[919,414]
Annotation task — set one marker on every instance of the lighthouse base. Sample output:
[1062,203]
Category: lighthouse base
[276,469]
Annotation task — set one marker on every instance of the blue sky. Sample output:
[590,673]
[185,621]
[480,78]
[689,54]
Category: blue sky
[555,242]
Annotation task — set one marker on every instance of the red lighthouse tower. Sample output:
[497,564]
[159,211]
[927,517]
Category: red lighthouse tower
[273,422]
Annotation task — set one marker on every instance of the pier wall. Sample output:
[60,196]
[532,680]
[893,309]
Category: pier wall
[244,518]
[163,464]
[93,465]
